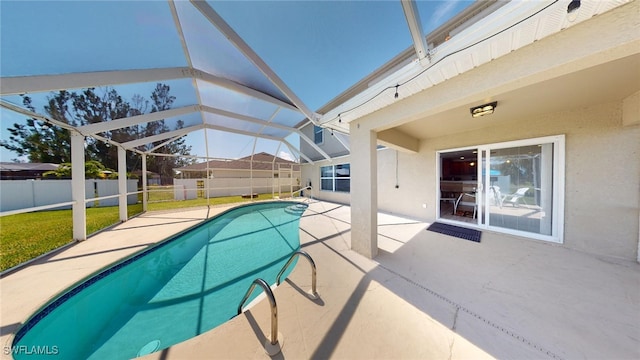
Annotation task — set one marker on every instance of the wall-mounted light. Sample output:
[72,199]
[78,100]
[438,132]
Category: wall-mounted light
[484,109]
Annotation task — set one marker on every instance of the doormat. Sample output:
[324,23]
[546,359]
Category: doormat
[457,231]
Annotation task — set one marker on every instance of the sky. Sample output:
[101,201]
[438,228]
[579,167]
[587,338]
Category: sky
[318,48]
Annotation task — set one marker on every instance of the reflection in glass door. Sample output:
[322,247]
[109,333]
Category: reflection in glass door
[513,187]
[459,193]
[519,188]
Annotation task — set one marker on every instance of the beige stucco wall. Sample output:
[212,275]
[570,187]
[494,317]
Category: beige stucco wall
[312,173]
[602,175]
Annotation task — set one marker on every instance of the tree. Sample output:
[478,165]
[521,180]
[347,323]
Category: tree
[42,142]
[39,141]
[92,170]
[164,165]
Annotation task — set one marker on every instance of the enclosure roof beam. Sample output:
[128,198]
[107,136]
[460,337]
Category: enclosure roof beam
[338,136]
[215,19]
[241,132]
[42,83]
[413,21]
[150,151]
[135,120]
[160,137]
[246,118]
[296,150]
[312,143]
[19,110]
[234,86]
[269,124]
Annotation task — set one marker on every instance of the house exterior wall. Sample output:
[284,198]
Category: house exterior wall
[602,180]
[311,175]
[239,173]
[330,145]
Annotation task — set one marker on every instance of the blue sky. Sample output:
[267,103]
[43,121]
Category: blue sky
[317,48]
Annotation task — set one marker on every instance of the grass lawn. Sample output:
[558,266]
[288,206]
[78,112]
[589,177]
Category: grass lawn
[26,236]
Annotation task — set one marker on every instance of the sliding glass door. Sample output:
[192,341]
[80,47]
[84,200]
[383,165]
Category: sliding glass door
[519,187]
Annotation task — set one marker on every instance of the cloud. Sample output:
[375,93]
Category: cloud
[441,12]
[285,155]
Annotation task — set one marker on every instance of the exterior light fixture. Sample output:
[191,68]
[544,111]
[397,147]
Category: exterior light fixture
[482,110]
[572,10]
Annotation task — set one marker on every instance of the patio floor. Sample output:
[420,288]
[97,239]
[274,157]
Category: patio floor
[426,295]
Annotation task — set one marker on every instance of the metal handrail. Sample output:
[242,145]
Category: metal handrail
[313,269]
[272,300]
[304,188]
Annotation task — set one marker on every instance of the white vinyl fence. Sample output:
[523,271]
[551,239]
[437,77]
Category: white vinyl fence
[22,194]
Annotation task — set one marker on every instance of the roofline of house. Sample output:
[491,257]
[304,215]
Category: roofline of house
[469,16]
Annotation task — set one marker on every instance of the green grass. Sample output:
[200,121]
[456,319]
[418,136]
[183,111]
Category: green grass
[26,236]
[160,193]
[168,205]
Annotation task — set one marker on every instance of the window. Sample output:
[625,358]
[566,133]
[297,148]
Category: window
[318,135]
[336,178]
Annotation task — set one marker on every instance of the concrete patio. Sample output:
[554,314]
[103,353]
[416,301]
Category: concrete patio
[425,295]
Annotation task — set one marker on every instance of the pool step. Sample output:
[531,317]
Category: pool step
[296,209]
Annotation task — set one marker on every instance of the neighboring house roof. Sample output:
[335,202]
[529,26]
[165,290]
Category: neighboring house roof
[261,161]
[13,166]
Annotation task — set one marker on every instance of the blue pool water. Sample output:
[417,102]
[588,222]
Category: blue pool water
[174,291]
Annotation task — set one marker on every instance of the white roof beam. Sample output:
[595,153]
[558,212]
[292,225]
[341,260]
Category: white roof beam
[246,118]
[57,123]
[163,144]
[241,45]
[160,137]
[234,86]
[338,136]
[29,113]
[415,27]
[241,132]
[312,143]
[135,120]
[295,149]
[269,124]
[42,83]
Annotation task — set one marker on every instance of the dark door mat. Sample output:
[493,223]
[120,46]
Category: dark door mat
[457,231]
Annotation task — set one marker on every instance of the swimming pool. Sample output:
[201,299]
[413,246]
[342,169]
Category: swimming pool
[180,288]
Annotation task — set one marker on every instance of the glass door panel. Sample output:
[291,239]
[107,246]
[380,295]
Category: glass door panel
[518,186]
[458,186]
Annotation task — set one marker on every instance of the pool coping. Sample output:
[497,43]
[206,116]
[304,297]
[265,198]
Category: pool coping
[63,296]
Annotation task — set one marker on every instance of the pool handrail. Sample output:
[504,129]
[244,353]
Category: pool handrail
[272,300]
[299,190]
[313,270]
